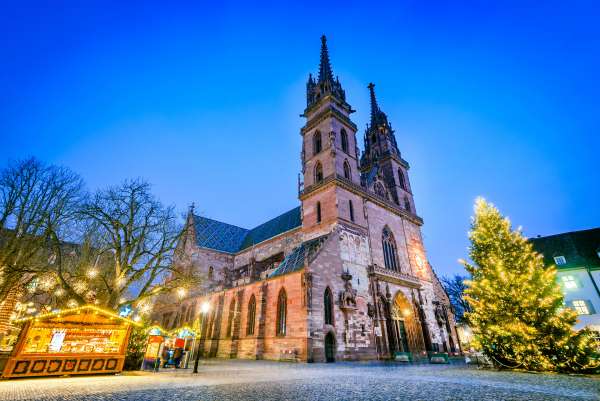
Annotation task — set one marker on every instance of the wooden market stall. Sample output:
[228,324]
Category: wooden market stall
[84,340]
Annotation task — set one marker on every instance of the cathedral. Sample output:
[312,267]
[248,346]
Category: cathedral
[343,276]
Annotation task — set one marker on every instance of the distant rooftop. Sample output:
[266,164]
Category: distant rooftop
[228,238]
[579,248]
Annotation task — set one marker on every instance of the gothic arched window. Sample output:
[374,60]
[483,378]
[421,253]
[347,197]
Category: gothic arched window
[318,173]
[317,143]
[351,208]
[251,316]
[211,272]
[344,140]
[281,313]
[347,171]
[318,212]
[230,318]
[401,180]
[407,204]
[390,254]
[328,305]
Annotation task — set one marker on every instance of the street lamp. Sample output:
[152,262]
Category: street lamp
[204,308]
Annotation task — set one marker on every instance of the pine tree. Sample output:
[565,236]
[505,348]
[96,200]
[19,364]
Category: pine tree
[518,317]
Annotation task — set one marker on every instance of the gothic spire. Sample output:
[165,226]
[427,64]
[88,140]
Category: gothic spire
[325,84]
[374,106]
[325,73]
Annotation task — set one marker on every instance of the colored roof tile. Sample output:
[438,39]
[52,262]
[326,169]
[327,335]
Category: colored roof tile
[295,260]
[228,238]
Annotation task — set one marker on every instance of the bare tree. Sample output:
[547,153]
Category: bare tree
[135,236]
[455,288]
[37,204]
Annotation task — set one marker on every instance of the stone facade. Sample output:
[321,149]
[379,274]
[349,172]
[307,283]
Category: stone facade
[343,277]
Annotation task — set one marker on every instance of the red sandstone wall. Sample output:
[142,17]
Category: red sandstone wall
[248,345]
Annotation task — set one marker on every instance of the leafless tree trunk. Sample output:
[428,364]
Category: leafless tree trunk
[37,203]
[140,236]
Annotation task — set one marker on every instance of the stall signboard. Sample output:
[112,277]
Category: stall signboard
[82,340]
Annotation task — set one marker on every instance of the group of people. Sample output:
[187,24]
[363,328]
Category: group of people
[171,356]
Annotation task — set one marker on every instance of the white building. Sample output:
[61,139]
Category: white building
[577,258]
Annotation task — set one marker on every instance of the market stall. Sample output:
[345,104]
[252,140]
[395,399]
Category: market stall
[169,349]
[84,340]
[156,338]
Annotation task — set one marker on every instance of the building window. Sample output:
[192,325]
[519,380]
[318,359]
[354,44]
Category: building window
[390,254]
[344,140]
[211,272]
[581,307]
[328,305]
[318,212]
[407,204]
[374,140]
[347,171]
[569,282]
[281,313]
[317,144]
[351,207]
[230,318]
[318,173]
[251,316]
[560,260]
[401,180]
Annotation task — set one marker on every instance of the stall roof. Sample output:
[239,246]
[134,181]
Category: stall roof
[73,311]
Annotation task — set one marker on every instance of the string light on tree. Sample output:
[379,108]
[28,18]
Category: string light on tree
[517,315]
[181,292]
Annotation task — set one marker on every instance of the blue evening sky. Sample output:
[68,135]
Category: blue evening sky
[497,99]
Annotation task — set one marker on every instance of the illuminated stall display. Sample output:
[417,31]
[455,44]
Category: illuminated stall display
[83,340]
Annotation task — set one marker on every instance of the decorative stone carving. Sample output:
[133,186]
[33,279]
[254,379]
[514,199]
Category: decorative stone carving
[370,310]
[348,295]
[332,142]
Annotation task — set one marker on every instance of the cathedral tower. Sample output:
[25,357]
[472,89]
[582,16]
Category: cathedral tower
[382,158]
[329,152]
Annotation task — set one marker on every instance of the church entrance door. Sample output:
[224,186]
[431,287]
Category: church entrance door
[330,347]
[400,331]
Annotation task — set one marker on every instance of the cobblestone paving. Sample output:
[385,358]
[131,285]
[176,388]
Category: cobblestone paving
[265,381]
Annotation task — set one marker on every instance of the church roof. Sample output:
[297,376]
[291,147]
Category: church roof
[295,260]
[228,238]
[580,248]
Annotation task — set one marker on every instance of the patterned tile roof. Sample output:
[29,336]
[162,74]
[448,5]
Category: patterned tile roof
[580,248]
[225,237]
[273,227]
[295,260]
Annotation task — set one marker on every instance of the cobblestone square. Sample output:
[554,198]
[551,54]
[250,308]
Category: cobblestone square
[261,380]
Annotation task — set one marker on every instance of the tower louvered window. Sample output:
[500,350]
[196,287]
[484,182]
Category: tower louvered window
[347,171]
[390,253]
[407,204]
[344,136]
[317,143]
[318,173]
[401,180]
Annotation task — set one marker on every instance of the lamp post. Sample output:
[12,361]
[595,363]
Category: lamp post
[204,308]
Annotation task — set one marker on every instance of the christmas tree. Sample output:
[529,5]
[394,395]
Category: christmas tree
[518,316]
